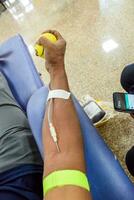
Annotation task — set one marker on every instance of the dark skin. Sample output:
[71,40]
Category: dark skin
[67,125]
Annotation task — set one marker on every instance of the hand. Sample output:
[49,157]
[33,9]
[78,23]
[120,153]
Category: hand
[54,52]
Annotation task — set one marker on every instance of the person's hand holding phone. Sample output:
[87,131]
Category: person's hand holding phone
[124,102]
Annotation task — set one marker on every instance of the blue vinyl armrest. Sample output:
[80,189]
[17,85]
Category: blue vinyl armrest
[108,179]
[18,67]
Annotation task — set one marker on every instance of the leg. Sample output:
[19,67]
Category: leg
[127,82]
[17,145]
[127,78]
[130,160]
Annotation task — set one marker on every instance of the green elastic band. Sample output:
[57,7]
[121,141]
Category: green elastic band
[65,177]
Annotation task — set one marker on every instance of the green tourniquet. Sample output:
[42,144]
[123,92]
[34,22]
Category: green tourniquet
[65,177]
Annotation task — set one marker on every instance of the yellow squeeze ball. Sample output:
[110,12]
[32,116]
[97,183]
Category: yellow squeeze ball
[39,49]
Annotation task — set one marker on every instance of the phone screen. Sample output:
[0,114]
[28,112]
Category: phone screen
[129,100]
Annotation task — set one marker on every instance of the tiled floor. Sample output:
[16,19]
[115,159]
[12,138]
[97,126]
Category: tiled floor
[99,35]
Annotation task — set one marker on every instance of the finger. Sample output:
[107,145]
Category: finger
[46,31]
[54,32]
[44,42]
[57,34]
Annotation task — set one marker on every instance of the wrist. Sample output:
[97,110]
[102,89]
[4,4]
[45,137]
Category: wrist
[58,79]
[55,66]
[57,71]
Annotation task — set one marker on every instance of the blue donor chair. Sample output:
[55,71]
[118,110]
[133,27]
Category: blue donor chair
[108,179]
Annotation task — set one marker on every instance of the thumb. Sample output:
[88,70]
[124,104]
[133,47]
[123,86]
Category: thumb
[44,42]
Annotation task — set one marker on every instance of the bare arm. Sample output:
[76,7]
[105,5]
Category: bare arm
[65,119]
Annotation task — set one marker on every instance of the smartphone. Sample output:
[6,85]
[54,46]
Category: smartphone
[123,102]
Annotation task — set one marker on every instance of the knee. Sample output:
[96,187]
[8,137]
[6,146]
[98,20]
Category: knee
[127,78]
[130,160]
